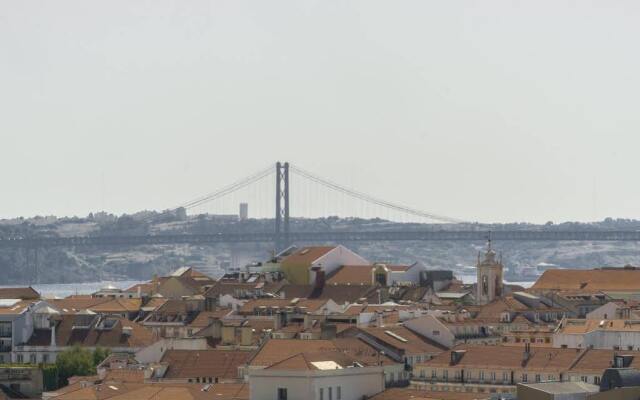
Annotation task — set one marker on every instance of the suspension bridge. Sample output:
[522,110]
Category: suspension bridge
[282,204]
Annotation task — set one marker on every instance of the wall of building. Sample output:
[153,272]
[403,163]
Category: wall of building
[600,339]
[607,311]
[335,259]
[430,327]
[354,383]
[154,352]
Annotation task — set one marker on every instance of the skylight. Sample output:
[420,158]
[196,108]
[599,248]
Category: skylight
[396,336]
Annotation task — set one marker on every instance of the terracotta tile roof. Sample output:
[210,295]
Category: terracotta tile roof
[222,364]
[73,304]
[204,317]
[596,361]
[339,293]
[118,305]
[311,305]
[356,309]
[125,375]
[352,274]
[613,279]
[153,304]
[361,351]
[412,394]
[17,307]
[159,391]
[103,391]
[24,293]
[509,357]
[306,361]
[307,255]
[67,335]
[276,350]
[236,288]
[155,391]
[412,343]
[146,287]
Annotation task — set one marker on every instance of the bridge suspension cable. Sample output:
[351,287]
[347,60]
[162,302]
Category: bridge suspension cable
[242,183]
[370,199]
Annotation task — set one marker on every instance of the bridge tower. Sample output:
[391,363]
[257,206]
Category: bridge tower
[282,206]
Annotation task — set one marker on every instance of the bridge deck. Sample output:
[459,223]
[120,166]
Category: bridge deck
[319,237]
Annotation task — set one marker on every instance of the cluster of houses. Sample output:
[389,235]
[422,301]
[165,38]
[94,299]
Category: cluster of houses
[324,323]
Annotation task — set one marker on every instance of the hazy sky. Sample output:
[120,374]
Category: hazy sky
[488,111]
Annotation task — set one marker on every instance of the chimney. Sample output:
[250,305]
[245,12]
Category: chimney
[328,331]
[277,322]
[246,336]
[380,319]
[320,279]
[127,330]
[307,322]
[139,291]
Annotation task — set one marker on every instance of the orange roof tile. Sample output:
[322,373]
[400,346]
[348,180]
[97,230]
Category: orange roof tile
[307,255]
[613,279]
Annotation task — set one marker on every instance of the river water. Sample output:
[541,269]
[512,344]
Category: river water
[59,290]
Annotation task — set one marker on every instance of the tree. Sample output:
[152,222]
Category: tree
[99,355]
[76,361]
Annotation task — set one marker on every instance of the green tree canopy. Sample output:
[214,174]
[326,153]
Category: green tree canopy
[78,361]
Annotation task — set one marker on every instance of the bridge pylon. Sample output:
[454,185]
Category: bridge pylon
[282,238]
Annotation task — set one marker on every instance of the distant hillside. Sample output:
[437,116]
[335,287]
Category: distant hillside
[60,265]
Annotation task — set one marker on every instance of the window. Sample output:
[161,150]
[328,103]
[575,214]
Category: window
[338,392]
[505,376]
[493,377]
[596,380]
[321,394]
[32,358]
[550,378]
[436,333]
[445,374]
[418,359]
[524,378]
[282,393]
[584,379]
[421,372]
[434,374]
[330,393]
[537,378]
[5,329]
[45,358]
[19,359]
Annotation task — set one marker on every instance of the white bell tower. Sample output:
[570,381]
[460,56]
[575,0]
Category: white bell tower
[489,270]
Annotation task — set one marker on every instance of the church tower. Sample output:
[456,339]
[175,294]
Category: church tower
[489,284]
